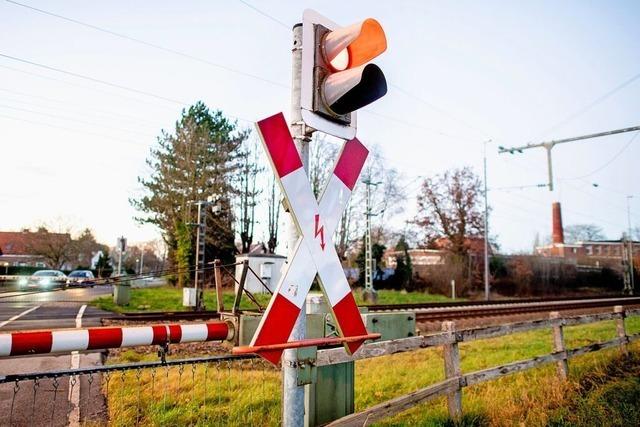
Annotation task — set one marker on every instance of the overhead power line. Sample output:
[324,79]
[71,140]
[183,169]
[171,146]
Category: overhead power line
[104,82]
[611,160]
[72,119]
[100,135]
[222,66]
[139,121]
[548,145]
[265,14]
[92,88]
[394,86]
[592,104]
[149,44]
[93,79]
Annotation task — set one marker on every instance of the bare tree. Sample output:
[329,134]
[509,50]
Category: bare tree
[273,217]
[248,193]
[449,207]
[582,232]
[57,247]
[323,154]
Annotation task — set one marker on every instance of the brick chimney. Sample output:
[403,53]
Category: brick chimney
[557,233]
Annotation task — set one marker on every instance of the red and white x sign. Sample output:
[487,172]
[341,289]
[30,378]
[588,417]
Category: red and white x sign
[314,251]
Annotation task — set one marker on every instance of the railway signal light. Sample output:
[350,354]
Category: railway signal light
[337,77]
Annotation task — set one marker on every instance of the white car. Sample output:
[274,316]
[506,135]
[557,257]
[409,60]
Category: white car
[46,279]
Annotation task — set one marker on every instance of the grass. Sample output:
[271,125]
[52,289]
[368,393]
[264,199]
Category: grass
[602,389]
[170,299]
[386,296]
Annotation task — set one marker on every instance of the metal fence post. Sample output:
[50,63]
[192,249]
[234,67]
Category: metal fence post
[217,277]
[558,344]
[620,328]
[452,369]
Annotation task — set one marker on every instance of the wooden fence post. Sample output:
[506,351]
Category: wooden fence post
[622,333]
[558,344]
[218,279]
[452,370]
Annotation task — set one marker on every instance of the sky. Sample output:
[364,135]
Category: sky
[73,143]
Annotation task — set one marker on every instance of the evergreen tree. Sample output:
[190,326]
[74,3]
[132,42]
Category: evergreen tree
[103,266]
[198,160]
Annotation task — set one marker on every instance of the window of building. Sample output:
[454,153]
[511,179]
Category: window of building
[589,250]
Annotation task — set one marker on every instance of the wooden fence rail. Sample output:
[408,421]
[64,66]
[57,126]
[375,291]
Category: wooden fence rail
[455,379]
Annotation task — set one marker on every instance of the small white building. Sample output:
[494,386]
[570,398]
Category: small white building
[268,267]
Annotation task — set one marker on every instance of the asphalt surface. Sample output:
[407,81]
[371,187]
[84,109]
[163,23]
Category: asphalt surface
[49,310]
[49,402]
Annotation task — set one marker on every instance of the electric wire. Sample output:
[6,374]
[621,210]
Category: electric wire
[92,79]
[193,57]
[100,135]
[589,106]
[81,107]
[152,45]
[611,160]
[92,88]
[71,119]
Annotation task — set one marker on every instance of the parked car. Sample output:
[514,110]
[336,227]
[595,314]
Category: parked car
[47,279]
[81,278]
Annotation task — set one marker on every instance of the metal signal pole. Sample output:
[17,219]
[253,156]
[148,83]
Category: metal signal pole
[630,239]
[486,227]
[369,293]
[292,393]
[200,251]
[201,235]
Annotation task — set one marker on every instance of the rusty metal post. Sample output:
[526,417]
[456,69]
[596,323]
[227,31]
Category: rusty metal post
[452,369]
[217,277]
[558,344]
[241,283]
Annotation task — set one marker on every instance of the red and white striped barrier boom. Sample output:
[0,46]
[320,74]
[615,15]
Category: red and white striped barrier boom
[66,340]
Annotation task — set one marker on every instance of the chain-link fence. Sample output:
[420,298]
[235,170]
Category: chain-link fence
[217,390]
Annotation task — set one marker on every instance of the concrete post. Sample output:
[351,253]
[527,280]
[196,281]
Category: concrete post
[620,328]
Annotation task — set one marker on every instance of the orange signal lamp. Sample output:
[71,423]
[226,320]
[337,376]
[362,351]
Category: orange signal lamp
[355,45]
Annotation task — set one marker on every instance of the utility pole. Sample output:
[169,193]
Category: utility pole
[369,293]
[630,250]
[550,144]
[486,226]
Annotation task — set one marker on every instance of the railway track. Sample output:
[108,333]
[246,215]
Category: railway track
[426,312]
[504,308]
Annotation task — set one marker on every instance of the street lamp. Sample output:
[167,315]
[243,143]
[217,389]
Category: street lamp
[486,225]
[630,243]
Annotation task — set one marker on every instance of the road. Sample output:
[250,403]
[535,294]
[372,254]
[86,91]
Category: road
[53,309]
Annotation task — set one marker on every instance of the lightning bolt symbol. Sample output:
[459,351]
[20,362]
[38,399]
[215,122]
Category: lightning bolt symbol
[320,231]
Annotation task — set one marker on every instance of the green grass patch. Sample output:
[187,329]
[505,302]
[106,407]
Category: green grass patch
[168,298]
[387,296]
[602,387]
